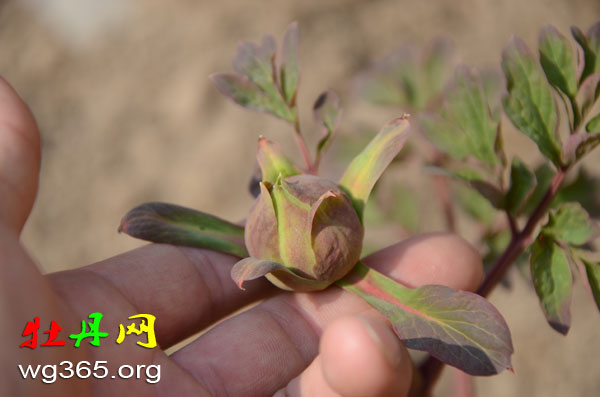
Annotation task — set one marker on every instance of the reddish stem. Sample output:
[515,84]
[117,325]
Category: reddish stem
[431,369]
[303,148]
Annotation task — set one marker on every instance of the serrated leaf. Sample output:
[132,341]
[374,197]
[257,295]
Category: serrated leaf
[327,112]
[558,62]
[522,185]
[570,224]
[273,162]
[459,328]
[592,270]
[289,73]
[247,94]
[172,224]
[552,281]
[465,125]
[529,103]
[593,125]
[366,168]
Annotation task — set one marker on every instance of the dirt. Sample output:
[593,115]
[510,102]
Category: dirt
[127,115]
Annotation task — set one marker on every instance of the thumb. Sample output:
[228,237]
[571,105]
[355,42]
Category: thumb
[19,159]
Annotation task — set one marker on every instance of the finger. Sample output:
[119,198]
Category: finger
[19,158]
[453,262]
[186,289]
[260,350]
[358,356]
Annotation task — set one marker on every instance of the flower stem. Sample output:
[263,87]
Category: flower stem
[301,143]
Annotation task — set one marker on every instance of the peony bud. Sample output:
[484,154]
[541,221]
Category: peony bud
[308,225]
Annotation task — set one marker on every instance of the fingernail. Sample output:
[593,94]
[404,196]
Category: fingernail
[385,339]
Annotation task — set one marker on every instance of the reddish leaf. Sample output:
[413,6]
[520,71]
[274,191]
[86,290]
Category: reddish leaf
[252,268]
[460,328]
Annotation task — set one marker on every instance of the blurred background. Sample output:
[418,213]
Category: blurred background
[127,114]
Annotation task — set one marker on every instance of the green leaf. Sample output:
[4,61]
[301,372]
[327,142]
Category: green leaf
[522,185]
[465,125]
[558,62]
[474,180]
[289,74]
[570,224]
[406,207]
[584,189]
[436,67]
[594,124]
[591,63]
[327,114]
[273,162]
[172,224]
[459,328]
[256,62]
[366,168]
[592,270]
[552,281]
[474,204]
[529,103]
[245,93]
[543,175]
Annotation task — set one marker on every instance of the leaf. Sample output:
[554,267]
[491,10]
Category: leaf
[247,94]
[593,125]
[405,209]
[522,185]
[580,144]
[592,270]
[436,66]
[570,224]
[474,180]
[474,204]
[552,281]
[543,175]
[529,103]
[172,224]
[327,113]
[289,74]
[465,125]
[459,328]
[273,162]
[256,62]
[366,168]
[591,64]
[251,268]
[558,62]
[588,93]
[584,189]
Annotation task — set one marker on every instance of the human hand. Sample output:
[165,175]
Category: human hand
[325,343]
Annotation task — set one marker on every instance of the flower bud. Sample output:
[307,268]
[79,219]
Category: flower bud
[308,225]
